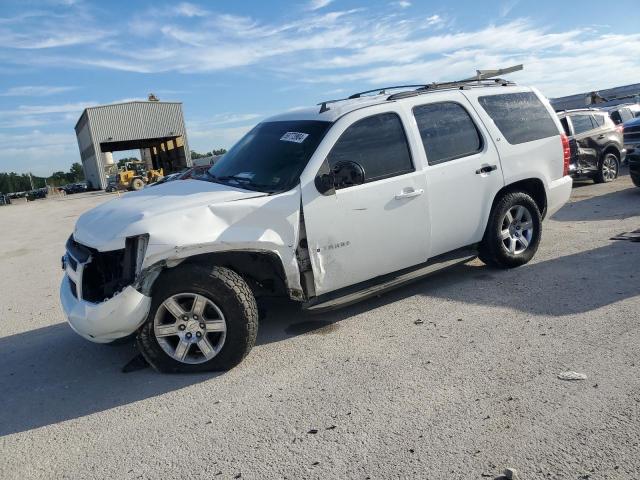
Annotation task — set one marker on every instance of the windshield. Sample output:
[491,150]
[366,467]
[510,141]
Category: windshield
[271,157]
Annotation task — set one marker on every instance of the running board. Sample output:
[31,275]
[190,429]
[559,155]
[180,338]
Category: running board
[350,295]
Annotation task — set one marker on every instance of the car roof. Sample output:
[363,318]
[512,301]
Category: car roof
[332,110]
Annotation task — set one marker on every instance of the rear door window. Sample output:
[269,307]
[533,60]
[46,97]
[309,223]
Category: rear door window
[598,120]
[520,117]
[447,131]
[581,123]
[378,143]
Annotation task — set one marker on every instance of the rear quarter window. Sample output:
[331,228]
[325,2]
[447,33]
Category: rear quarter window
[520,117]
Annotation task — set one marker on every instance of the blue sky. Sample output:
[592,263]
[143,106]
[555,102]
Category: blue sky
[234,62]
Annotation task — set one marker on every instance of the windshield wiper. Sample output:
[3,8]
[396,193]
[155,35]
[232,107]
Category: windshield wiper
[243,181]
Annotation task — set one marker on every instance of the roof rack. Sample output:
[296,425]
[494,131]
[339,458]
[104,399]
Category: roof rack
[484,78]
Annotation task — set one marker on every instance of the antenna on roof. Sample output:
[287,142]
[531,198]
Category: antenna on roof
[486,74]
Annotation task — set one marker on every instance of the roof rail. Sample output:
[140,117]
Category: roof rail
[483,78]
[459,84]
[383,90]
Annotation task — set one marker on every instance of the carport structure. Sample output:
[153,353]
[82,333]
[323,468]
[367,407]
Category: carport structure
[156,128]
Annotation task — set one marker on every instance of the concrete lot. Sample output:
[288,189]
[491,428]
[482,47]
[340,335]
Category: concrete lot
[469,392]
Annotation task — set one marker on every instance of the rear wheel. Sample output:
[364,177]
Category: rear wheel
[201,319]
[607,169]
[513,232]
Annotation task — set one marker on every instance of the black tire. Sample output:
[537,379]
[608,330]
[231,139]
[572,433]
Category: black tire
[232,296]
[611,160]
[636,180]
[492,249]
[136,184]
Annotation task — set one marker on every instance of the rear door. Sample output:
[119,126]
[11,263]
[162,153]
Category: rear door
[463,170]
[584,133]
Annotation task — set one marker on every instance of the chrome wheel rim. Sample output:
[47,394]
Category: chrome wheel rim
[609,168]
[517,230]
[190,328]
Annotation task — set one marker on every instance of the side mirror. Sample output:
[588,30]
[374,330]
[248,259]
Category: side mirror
[348,174]
[325,183]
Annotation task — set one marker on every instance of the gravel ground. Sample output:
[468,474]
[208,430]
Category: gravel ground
[363,392]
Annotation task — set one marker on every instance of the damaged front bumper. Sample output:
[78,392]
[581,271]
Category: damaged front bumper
[107,321]
[97,296]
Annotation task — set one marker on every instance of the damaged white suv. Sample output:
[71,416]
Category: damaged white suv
[325,206]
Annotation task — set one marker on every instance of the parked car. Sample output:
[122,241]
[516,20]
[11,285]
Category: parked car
[192,172]
[74,188]
[325,206]
[621,114]
[597,143]
[632,144]
[38,193]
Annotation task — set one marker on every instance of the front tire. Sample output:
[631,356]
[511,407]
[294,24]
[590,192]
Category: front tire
[201,319]
[608,169]
[513,232]
[137,184]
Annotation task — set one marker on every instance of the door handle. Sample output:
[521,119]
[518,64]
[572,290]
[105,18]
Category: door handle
[601,136]
[409,193]
[486,169]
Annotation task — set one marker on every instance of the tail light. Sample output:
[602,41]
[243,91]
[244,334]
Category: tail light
[620,128]
[566,151]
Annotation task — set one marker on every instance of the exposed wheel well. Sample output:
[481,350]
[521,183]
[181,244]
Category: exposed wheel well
[263,271]
[611,149]
[532,186]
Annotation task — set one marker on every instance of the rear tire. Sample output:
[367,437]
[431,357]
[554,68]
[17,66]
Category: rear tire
[226,324]
[635,180]
[513,232]
[608,169]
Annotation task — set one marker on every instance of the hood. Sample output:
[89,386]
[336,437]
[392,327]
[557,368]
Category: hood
[151,210]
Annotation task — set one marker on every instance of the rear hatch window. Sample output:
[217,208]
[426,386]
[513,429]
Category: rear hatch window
[520,117]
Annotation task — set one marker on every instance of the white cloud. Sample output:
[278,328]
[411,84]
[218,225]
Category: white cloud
[34,91]
[186,9]
[318,4]
[507,6]
[434,20]
[401,4]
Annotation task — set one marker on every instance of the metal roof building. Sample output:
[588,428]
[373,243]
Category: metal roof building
[602,98]
[156,128]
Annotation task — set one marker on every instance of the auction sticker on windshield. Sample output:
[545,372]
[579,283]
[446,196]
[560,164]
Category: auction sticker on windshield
[295,137]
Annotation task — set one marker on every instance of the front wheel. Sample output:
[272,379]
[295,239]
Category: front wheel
[201,319]
[137,184]
[608,169]
[513,232]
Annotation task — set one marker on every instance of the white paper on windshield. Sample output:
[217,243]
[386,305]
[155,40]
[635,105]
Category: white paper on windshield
[295,137]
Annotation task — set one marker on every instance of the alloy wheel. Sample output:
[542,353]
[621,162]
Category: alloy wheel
[609,168]
[517,229]
[190,328]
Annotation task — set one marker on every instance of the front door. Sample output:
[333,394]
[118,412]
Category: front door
[373,228]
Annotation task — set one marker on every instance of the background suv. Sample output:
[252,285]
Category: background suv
[597,144]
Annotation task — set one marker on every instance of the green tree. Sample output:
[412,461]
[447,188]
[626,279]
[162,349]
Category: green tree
[76,172]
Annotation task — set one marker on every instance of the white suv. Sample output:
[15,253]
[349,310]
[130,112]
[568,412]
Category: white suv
[326,206]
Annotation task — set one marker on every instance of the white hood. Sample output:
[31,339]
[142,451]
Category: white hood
[157,210]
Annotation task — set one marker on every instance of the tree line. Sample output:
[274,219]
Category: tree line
[195,155]
[20,182]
